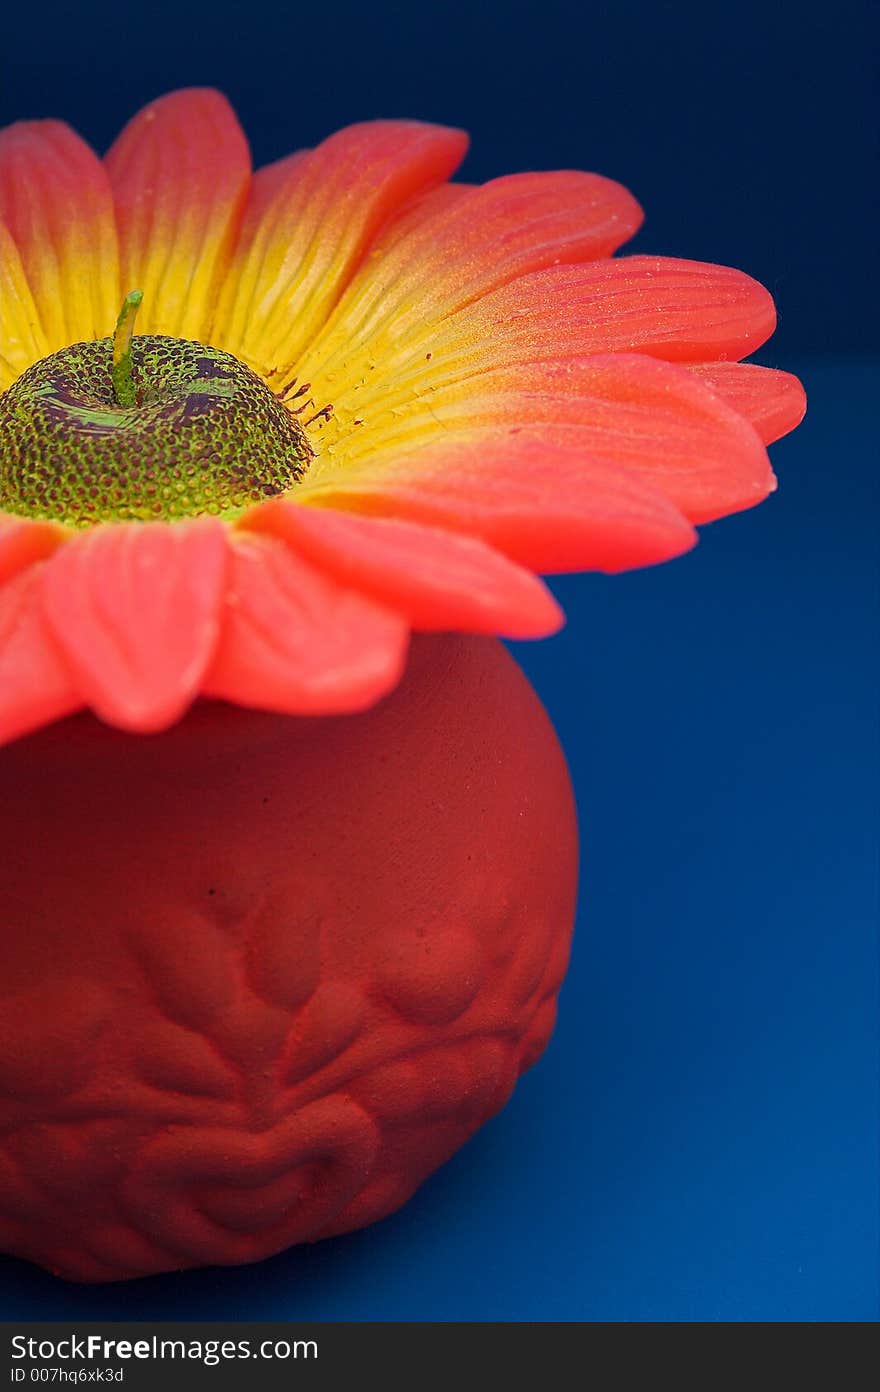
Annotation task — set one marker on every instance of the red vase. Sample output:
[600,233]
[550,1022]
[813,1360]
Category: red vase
[260,975]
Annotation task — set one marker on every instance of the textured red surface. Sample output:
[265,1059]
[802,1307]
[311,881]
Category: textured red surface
[260,975]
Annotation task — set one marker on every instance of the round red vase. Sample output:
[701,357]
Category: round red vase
[260,975]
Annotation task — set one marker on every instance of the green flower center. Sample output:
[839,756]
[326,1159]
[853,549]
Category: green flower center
[143,429]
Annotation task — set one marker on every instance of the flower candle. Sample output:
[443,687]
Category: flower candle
[286,895]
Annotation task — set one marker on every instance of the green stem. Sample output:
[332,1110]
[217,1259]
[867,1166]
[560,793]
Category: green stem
[120,376]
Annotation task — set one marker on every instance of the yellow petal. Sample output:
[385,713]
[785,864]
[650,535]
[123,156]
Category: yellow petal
[309,222]
[22,340]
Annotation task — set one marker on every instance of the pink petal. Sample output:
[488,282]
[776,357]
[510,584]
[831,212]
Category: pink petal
[180,172]
[35,684]
[436,579]
[135,610]
[546,506]
[417,213]
[297,641]
[473,244]
[673,309]
[651,418]
[23,542]
[774,401]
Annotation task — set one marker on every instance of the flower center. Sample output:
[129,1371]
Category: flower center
[140,429]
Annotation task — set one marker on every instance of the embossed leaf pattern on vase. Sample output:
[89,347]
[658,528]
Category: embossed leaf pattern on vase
[309,986]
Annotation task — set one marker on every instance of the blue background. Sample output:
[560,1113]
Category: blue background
[700,1141]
